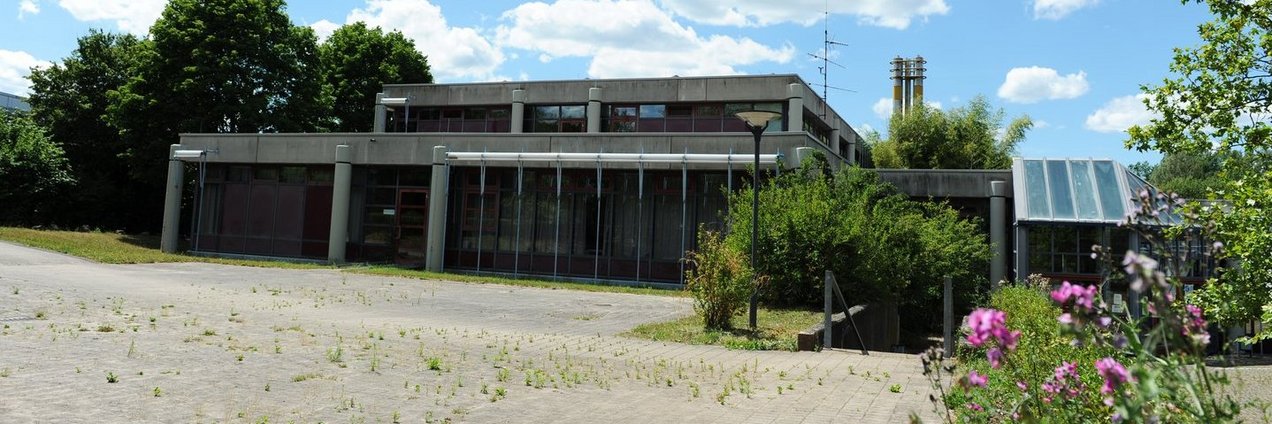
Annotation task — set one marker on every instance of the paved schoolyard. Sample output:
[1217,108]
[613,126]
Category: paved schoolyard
[209,343]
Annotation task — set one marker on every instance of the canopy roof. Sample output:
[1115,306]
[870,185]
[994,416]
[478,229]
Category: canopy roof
[1097,191]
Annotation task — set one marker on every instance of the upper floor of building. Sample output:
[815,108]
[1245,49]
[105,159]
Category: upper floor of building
[10,101]
[646,105]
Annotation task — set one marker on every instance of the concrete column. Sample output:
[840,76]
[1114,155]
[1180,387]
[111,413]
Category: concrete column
[998,232]
[518,111]
[852,150]
[794,107]
[437,212]
[833,142]
[796,158]
[381,113]
[594,110]
[949,317]
[172,202]
[1132,297]
[338,237]
[1022,252]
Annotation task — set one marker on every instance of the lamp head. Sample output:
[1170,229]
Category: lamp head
[757,118]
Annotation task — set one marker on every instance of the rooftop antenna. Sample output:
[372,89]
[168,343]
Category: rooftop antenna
[824,56]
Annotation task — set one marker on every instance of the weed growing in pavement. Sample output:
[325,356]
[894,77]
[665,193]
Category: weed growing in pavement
[336,354]
[158,392]
[895,388]
[111,377]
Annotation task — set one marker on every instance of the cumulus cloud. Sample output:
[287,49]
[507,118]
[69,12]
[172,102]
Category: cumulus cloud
[883,108]
[324,29]
[1058,9]
[453,52]
[628,39]
[134,16]
[1034,84]
[15,67]
[896,14]
[27,7]
[1119,114]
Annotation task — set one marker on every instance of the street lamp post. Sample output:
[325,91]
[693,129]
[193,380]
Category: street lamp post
[756,121]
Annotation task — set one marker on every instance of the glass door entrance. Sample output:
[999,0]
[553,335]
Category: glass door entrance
[411,226]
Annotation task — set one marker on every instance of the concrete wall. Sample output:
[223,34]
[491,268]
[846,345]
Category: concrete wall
[941,183]
[644,90]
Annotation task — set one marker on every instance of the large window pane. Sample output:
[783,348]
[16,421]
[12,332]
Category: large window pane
[653,111]
[1036,190]
[573,112]
[1084,190]
[1110,193]
[1061,195]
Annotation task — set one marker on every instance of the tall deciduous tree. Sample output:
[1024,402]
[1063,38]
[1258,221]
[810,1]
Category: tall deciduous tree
[967,137]
[70,99]
[1220,100]
[33,170]
[228,66]
[356,63]
[1189,175]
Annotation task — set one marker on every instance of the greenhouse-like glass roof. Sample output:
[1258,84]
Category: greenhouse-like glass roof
[1098,191]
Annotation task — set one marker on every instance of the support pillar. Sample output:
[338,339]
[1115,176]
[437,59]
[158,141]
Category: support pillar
[833,142]
[338,236]
[1022,252]
[381,113]
[437,211]
[1132,296]
[998,232]
[852,150]
[172,202]
[794,108]
[594,110]
[518,111]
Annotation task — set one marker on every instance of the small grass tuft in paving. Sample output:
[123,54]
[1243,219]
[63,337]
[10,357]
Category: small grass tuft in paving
[778,329]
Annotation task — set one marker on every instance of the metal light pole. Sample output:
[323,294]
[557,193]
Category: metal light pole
[756,121]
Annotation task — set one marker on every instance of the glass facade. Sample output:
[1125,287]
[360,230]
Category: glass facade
[684,117]
[266,210]
[604,227]
[1073,190]
[474,119]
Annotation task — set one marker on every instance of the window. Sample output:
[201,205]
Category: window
[621,119]
[477,119]
[561,118]
[686,117]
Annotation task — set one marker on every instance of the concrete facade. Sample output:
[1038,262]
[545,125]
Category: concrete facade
[403,141]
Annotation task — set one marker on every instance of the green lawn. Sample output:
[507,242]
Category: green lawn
[112,248]
[777,330]
[393,271]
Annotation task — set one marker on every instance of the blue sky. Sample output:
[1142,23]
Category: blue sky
[1074,66]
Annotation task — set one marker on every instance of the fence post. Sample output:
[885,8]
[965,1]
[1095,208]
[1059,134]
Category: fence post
[949,317]
[827,340]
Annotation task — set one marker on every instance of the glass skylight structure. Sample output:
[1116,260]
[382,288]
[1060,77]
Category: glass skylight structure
[1092,191]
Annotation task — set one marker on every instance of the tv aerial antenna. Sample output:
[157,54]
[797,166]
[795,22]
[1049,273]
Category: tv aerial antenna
[824,57]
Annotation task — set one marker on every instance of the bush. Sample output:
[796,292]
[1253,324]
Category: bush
[882,246]
[1040,350]
[719,278]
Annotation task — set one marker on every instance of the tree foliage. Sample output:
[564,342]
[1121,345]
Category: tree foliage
[880,245]
[69,100]
[356,63]
[1189,175]
[966,137]
[1220,101]
[33,170]
[228,66]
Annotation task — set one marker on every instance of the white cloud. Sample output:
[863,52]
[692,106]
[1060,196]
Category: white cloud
[628,39]
[883,108]
[1119,114]
[885,13]
[453,52]
[934,105]
[1033,84]
[324,29]
[1058,9]
[27,7]
[15,67]
[1040,124]
[134,16]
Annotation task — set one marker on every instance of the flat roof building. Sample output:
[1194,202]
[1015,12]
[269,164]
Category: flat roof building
[595,179]
[13,102]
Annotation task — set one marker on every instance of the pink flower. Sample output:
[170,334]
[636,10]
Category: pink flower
[1022,386]
[983,323]
[1114,373]
[995,356]
[1195,326]
[1065,318]
[976,379]
[1083,296]
[975,407]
